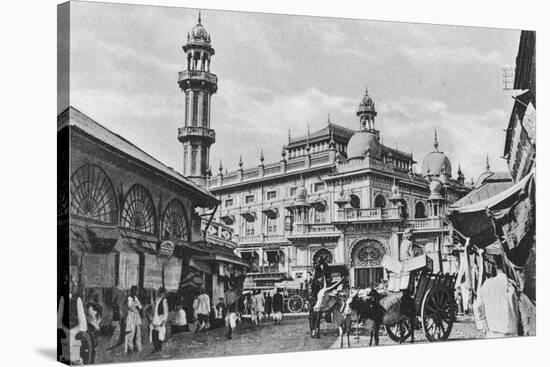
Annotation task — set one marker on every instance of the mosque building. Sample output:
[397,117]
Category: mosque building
[337,193]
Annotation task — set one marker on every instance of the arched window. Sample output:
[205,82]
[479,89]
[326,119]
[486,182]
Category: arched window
[93,195]
[174,222]
[420,210]
[354,201]
[322,252]
[138,211]
[379,201]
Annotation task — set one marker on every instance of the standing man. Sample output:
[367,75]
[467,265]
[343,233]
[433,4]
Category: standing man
[202,311]
[220,311]
[278,307]
[158,323]
[500,303]
[132,336]
[268,300]
[232,298]
[258,302]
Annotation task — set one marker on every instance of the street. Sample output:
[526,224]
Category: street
[291,336]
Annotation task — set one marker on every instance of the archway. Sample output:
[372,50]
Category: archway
[420,210]
[354,201]
[379,201]
[366,263]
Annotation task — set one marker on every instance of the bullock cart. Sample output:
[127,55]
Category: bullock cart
[433,296]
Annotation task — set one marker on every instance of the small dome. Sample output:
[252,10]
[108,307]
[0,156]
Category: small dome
[363,141]
[199,33]
[366,104]
[301,194]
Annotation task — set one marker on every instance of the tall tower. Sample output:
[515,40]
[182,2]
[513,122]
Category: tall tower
[198,84]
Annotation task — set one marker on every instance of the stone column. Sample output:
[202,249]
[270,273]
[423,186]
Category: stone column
[199,106]
[190,111]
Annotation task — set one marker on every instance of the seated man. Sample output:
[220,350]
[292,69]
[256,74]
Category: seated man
[180,322]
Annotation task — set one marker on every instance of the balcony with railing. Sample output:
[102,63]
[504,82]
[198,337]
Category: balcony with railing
[259,239]
[196,131]
[197,75]
[427,224]
[218,232]
[313,230]
[366,215]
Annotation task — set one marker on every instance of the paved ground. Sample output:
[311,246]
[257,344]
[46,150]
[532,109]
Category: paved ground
[292,335]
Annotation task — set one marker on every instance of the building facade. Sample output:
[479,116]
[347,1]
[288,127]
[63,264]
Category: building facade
[129,221]
[520,143]
[341,194]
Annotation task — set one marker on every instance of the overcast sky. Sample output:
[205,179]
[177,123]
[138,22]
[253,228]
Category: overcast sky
[279,72]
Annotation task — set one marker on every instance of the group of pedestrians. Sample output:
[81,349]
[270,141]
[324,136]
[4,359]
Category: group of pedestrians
[81,324]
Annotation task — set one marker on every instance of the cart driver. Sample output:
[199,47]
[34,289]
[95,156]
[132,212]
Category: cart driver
[406,248]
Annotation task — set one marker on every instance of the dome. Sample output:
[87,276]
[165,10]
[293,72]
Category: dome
[199,33]
[362,141]
[436,163]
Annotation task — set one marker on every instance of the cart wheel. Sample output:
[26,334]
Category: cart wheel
[295,303]
[438,313]
[394,332]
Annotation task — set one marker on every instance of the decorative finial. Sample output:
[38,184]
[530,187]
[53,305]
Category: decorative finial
[332,143]
[199,17]
[241,161]
[459,171]
[221,166]
[328,119]
[487,166]
[188,37]
[262,155]
[436,143]
[289,136]
[307,139]
[283,153]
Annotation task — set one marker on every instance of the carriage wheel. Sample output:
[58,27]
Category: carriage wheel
[394,332]
[438,313]
[295,303]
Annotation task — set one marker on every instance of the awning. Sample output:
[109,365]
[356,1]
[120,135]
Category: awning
[271,212]
[200,265]
[227,219]
[249,215]
[103,238]
[319,204]
[515,202]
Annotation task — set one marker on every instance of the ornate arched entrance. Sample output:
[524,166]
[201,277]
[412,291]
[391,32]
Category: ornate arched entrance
[322,252]
[366,263]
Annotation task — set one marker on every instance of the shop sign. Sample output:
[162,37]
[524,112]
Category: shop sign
[166,248]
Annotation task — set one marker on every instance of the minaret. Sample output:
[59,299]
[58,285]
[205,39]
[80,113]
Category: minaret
[198,84]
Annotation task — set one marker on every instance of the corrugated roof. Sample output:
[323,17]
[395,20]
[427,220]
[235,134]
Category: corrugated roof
[73,117]
[491,184]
